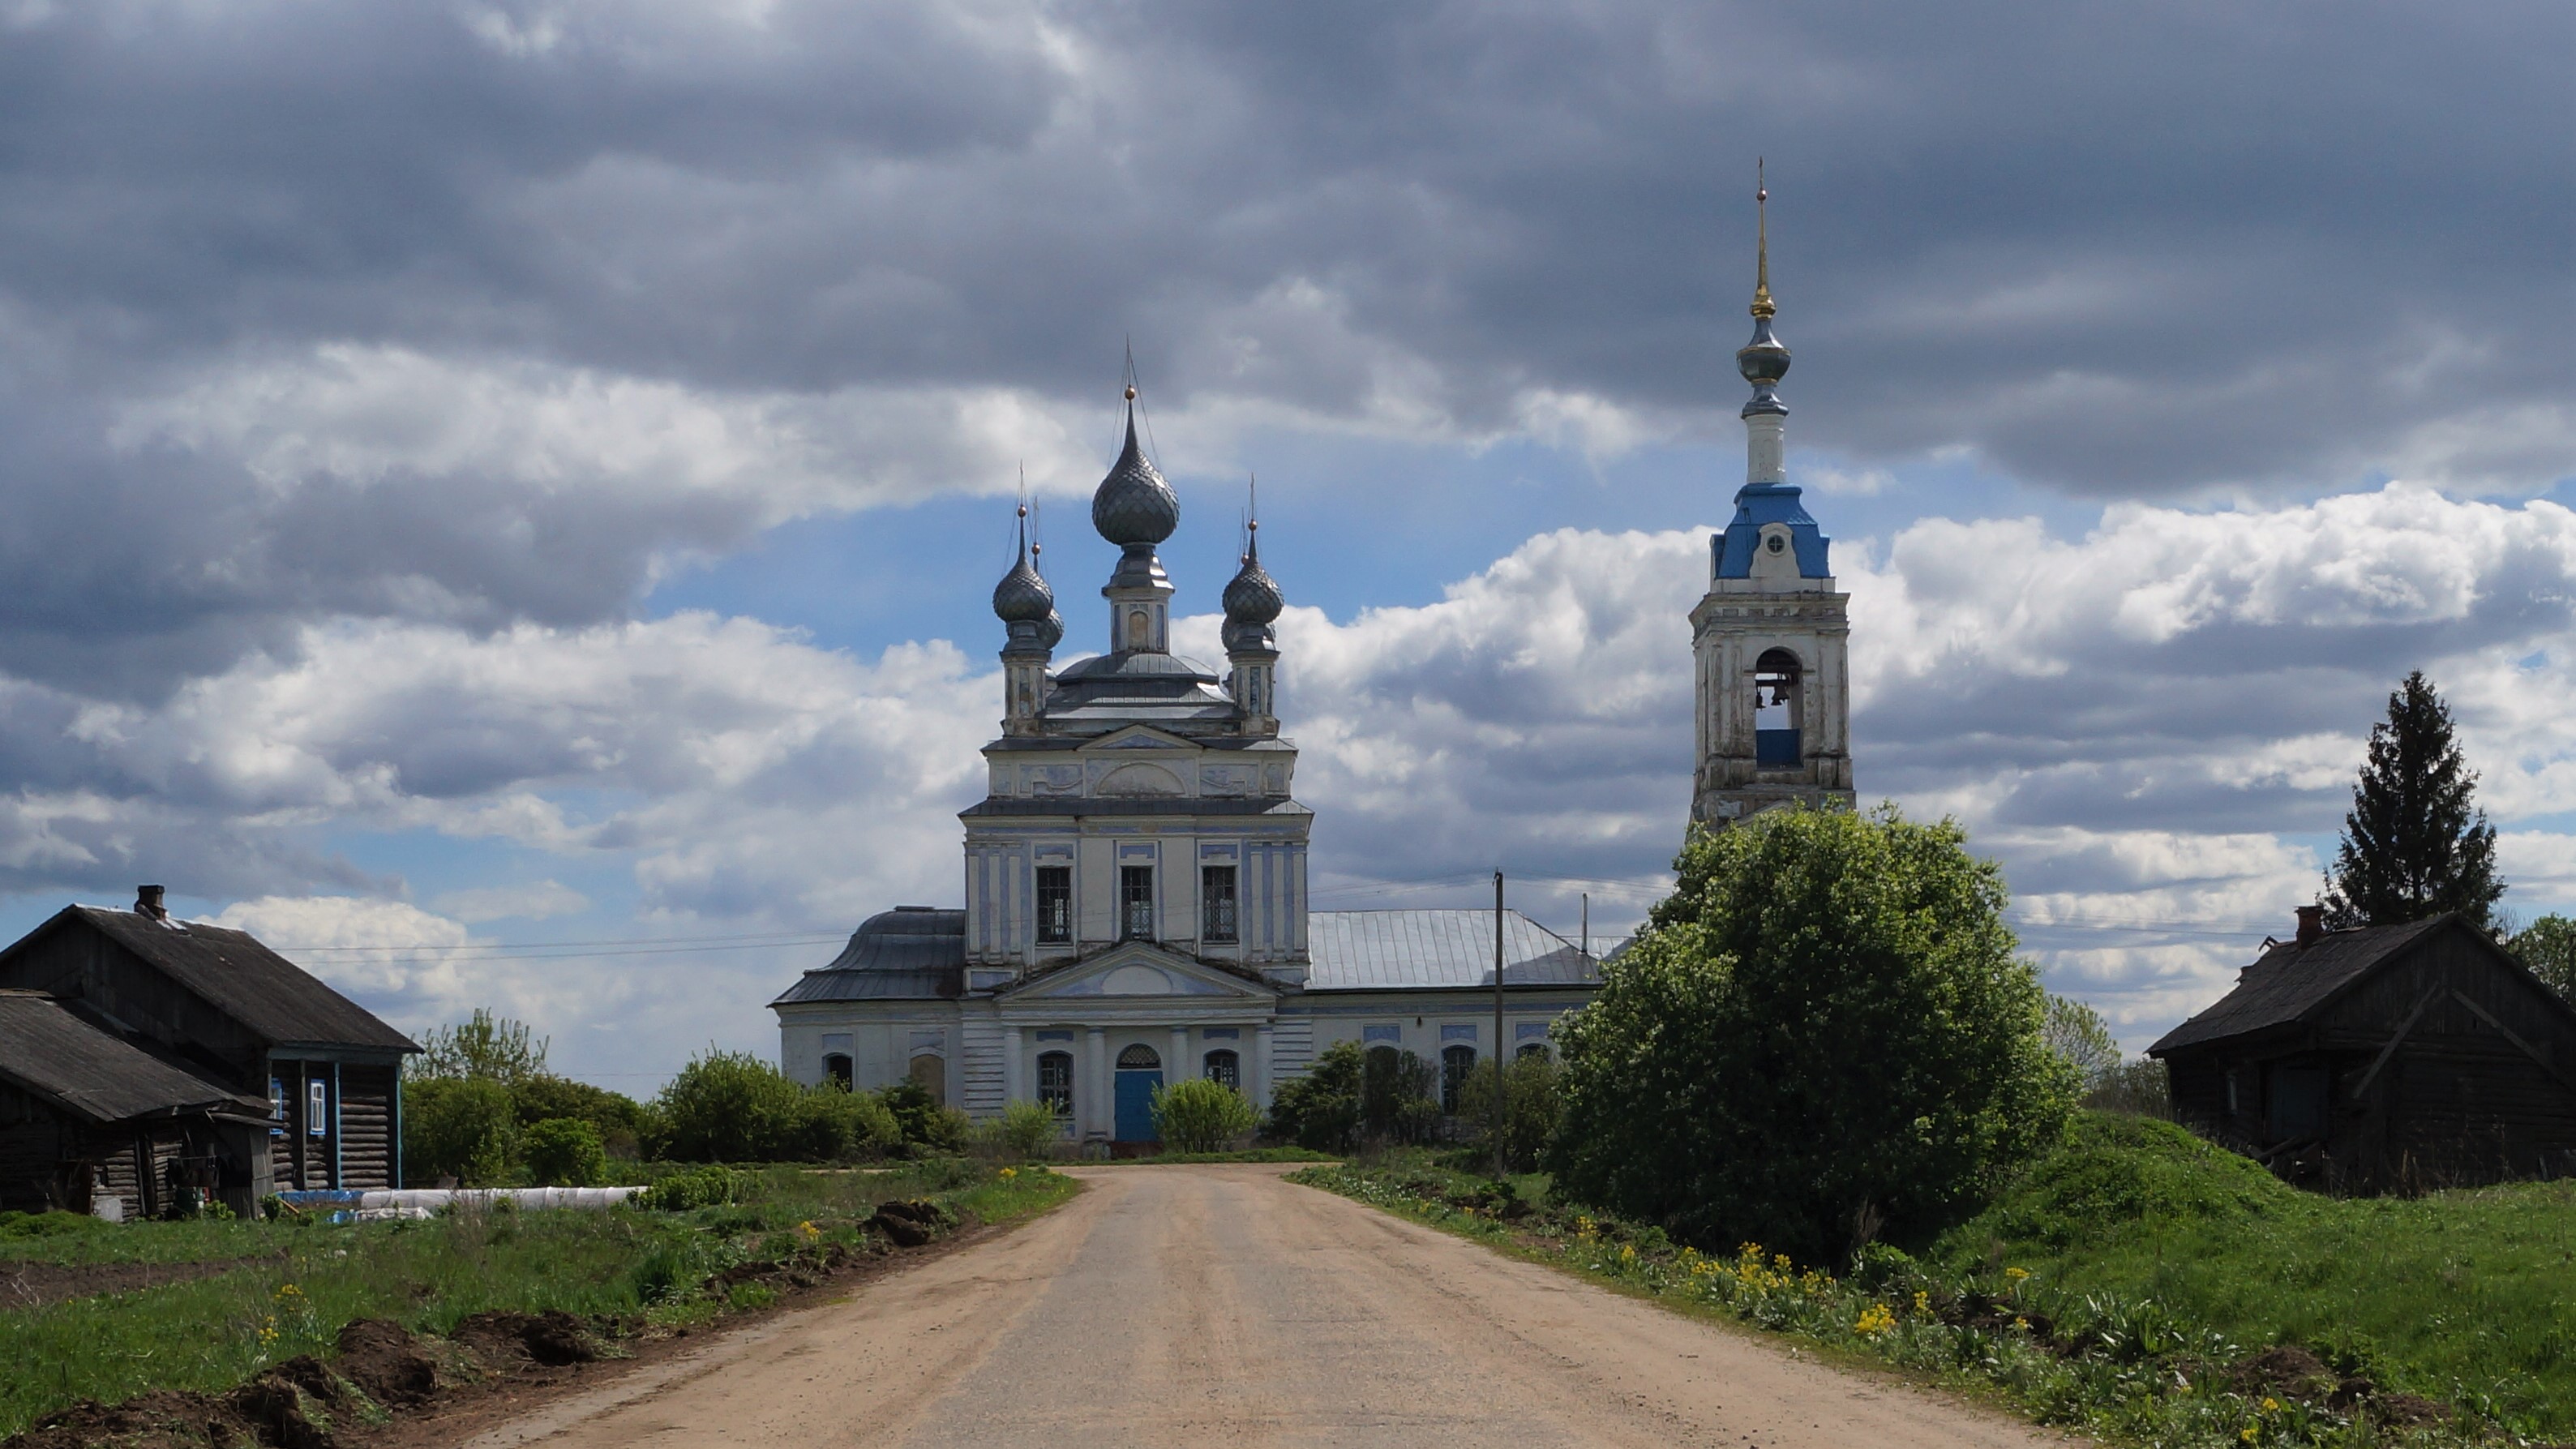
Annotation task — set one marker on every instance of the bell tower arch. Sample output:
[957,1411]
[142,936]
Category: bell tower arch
[1771,637]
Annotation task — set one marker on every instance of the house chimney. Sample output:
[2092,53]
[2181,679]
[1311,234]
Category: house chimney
[2312,924]
[147,902]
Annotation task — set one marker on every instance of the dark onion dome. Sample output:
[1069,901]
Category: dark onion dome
[1252,596]
[1133,505]
[1022,597]
[1051,629]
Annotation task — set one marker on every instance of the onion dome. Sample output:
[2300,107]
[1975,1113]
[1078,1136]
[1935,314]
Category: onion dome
[1051,629]
[1252,601]
[1133,506]
[1764,360]
[1022,597]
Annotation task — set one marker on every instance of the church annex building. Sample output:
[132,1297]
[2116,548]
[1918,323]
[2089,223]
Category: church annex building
[1135,877]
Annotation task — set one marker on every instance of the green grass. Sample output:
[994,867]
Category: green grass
[2123,1282]
[2466,1297]
[641,1268]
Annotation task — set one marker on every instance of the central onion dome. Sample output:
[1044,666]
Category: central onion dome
[1252,601]
[1134,507]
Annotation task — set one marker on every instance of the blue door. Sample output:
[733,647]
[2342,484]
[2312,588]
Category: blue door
[1136,1104]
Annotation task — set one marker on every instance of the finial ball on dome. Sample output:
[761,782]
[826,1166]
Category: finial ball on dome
[1131,392]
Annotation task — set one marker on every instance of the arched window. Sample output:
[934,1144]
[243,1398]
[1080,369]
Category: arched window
[1536,1049]
[1455,1064]
[1224,1066]
[1139,1058]
[932,1073]
[1055,1081]
[1140,630]
[1776,710]
[836,1068]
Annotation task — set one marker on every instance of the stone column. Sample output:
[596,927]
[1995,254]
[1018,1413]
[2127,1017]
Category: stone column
[1098,1113]
[1181,1068]
[1257,1082]
[1014,1084]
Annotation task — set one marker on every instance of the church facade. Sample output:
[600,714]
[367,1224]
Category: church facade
[1135,903]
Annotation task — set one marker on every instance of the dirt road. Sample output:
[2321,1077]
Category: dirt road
[1219,1305]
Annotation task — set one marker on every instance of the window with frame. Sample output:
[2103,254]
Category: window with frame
[1226,1067]
[1055,905]
[1136,902]
[1055,1081]
[1456,1062]
[1530,1049]
[1216,905]
[836,1068]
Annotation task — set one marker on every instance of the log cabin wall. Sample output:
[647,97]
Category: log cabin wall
[31,1152]
[366,1125]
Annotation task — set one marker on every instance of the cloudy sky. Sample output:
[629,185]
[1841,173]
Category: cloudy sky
[503,496]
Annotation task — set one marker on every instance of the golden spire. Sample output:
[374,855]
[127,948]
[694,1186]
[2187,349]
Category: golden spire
[1762,245]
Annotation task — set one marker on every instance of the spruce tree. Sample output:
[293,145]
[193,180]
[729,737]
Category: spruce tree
[2414,843]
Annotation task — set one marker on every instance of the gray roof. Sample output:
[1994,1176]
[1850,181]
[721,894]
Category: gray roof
[1137,686]
[276,1000]
[94,1074]
[1133,805]
[911,953]
[1432,949]
[2291,982]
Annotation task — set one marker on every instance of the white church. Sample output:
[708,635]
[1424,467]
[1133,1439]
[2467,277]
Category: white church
[1135,877]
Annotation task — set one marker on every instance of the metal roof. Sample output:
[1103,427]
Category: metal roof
[275,999]
[1431,949]
[2292,980]
[1133,805]
[92,1073]
[911,953]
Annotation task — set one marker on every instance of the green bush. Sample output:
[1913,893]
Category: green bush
[927,1127]
[618,1119]
[1320,1110]
[1026,1130]
[1398,1101]
[460,1127]
[1532,1106]
[1822,1034]
[712,1185]
[564,1152]
[734,1107]
[1199,1115]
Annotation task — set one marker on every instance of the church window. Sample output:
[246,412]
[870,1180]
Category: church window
[1216,903]
[1224,1066]
[1456,1064]
[1139,1058]
[836,1068]
[1055,904]
[1530,1049]
[1055,1081]
[1136,902]
[1776,709]
[932,1073]
[1139,629]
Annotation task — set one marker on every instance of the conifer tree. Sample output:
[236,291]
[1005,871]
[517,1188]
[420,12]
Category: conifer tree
[2414,843]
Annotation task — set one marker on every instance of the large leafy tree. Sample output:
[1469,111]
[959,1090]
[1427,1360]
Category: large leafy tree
[2548,947]
[1824,1033]
[2415,844]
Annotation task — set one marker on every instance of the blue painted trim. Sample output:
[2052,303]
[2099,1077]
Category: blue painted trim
[397,1153]
[336,1179]
[1776,747]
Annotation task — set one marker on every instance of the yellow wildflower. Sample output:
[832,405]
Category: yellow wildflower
[2021,1324]
[2249,1434]
[1009,1172]
[1876,1318]
[286,1291]
[2271,1405]
[2016,1274]
[808,1229]
[1922,1301]
[1627,1252]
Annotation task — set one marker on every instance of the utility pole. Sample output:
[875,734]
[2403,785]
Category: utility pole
[1587,926]
[1501,1111]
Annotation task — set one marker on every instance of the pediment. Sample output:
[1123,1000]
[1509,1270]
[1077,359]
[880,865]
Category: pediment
[1138,970]
[1139,737]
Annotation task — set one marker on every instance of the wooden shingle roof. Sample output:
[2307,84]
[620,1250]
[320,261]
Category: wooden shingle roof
[84,1069]
[272,997]
[2292,982]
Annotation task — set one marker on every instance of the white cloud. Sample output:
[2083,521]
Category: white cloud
[531,901]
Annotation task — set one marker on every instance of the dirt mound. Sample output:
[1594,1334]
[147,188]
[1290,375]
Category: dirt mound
[386,1363]
[553,1338]
[2286,1371]
[165,1420]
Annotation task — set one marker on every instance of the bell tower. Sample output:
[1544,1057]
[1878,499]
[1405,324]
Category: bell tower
[1771,636]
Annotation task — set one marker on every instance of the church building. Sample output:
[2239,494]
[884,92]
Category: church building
[1136,905]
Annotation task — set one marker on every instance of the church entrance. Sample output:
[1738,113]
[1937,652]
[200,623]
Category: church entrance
[1140,1071]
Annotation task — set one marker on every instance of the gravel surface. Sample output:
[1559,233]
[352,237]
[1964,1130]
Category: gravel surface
[1216,1304]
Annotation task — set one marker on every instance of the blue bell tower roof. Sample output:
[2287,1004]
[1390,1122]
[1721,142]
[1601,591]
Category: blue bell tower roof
[1755,505]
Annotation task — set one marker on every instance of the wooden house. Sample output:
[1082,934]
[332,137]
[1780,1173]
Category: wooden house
[89,1119]
[218,1005]
[2388,1057]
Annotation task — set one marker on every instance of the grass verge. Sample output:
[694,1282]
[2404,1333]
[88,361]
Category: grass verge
[636,1270]
[2058,1303]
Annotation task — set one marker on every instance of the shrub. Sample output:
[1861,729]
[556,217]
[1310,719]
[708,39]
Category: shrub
[564,1152]
[459,1127]
[710,1186]
[618,1119]
[1320,1111]
[1027,1129]
[1199,1115]
[1532,1106]
[1823,1032]
[927,1127]
[2137,1089]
